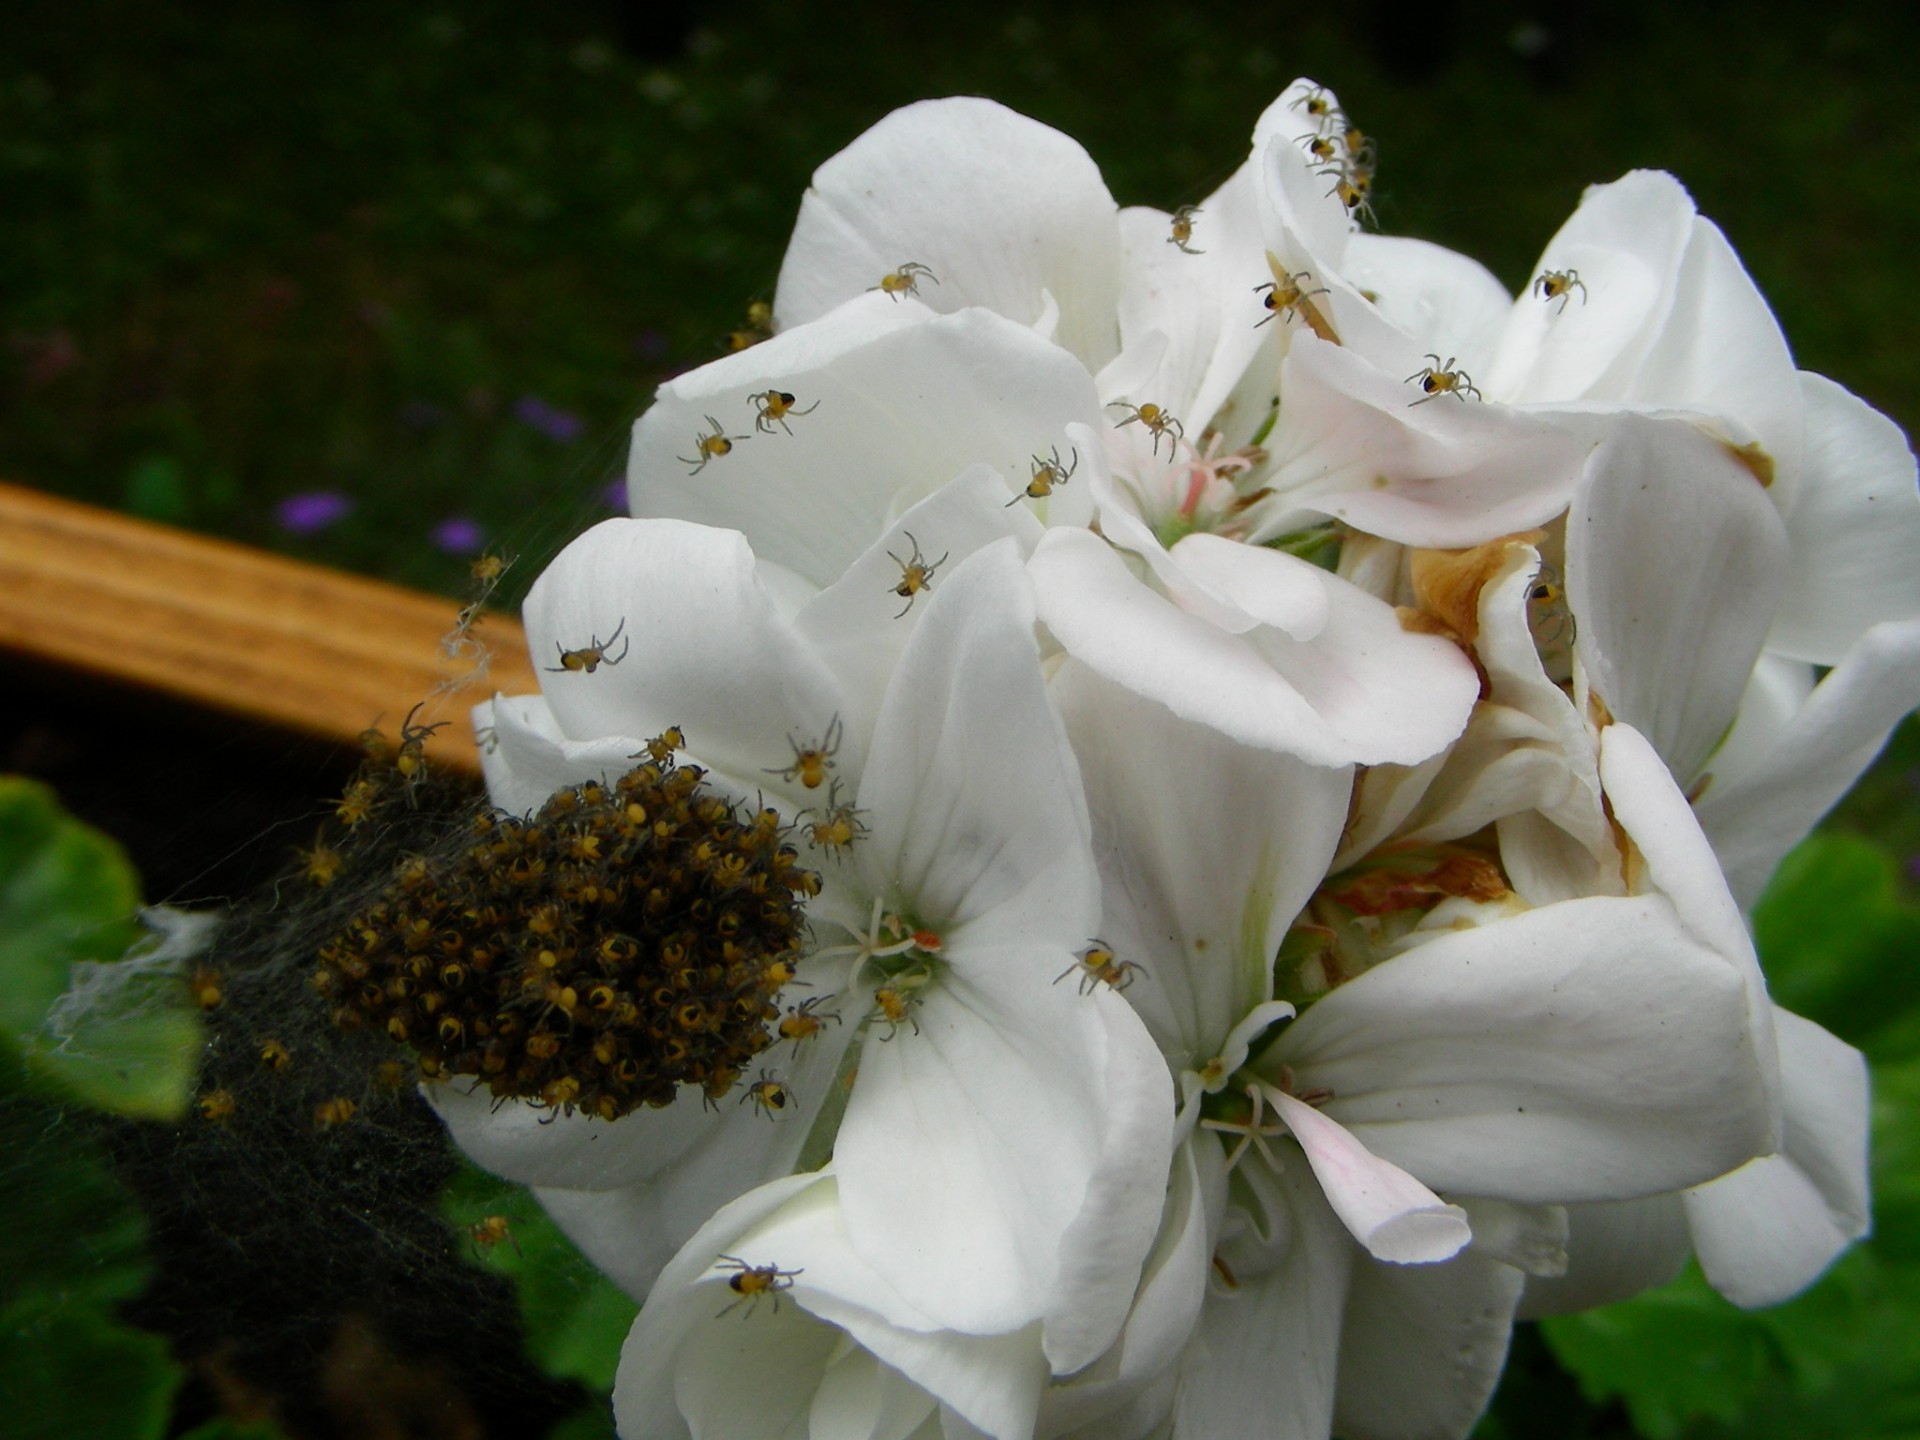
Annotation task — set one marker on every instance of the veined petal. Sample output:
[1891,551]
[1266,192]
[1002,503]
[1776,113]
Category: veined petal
[1853,529]
[907,401]
[978,822]
[1616,1249]
[1389,1212]
[1674,565]
[944,183]
[1755,817]
[1422,1347]
[1363,690]
[702,646]
[1363,444]
[1768,1230]
[1625,243]
[964,1205]
[1207,850]
[1535,1058]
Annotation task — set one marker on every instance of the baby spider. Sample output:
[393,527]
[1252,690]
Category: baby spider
[1559,285]
[839,824]
[488,1231]
[769,1094]
[1320,147]
[710,446]
[1548,615]
[894,1004]
[1284,295]
[1317,102]
[1097,965]
[916,573]
[591,657]
[750,1282]
[1047,473]
[906,280]
[759,327]
[811,762]
[1181,235]
[1437,379]
[803,1022]
[1157,421]
[774,406]
[1352,187]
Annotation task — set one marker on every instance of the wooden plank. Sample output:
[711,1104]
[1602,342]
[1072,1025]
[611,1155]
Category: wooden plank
[238,630]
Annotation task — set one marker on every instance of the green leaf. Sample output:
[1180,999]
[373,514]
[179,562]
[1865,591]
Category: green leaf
[1838,943]
[576,1318]
[72,1235]
[1633,1351]
[67,893]
[111,1031]
[79,1375]
[1836,1363]
[72,1247]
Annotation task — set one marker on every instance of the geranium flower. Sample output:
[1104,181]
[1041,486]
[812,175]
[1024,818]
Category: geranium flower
[1033,1195]
[1507,1056]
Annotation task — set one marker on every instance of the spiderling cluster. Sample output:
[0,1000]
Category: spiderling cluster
[626,940]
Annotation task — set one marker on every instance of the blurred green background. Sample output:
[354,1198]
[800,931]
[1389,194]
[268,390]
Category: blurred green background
[378,284]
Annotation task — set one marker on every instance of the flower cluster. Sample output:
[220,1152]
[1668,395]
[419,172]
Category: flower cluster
[1285,730]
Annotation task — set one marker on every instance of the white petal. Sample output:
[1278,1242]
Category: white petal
[1530,1238]
[1362,691]
[1768,1230]
[675,1353]
[1003,210]
[1625,243]
[1264,1360]
[1757,817]
[861,1399]
[976,813]
[525,757]
[709,650]
[1422,1347]
[907,401]
[1720,353]
[1447,302]
[1615,1250]
[1207,851]
[1202,305]
[1853,529]
[1359,442]
[1388,1211]
[1674,564]
[860,624]
[969,1148]
[1173,1287]
[1583,1051]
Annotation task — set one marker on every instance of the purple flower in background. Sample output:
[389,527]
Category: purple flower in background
[459,535]
[560,426]
[651,345]
[614,497]
[312,511]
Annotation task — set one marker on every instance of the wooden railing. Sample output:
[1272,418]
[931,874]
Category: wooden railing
[237,630]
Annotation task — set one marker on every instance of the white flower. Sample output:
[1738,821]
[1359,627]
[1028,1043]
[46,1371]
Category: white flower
[1252,641]
[1523,1057]
[1002,1154]
[769,1324]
